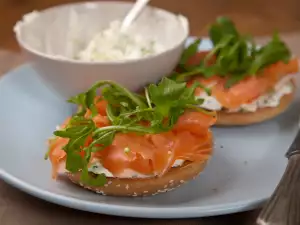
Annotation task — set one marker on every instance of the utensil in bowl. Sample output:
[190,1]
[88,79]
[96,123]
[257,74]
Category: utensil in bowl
[51,38]
[133,13]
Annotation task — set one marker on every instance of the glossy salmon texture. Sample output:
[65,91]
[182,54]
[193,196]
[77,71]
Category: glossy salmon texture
[151,154]
[246,90]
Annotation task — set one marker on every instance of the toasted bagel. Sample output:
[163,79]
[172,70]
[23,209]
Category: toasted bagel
[144,186]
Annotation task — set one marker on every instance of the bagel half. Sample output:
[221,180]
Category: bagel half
[262,114]
[145,186]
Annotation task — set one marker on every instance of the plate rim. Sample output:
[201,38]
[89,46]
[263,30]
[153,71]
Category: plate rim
[121,210]
[130,211]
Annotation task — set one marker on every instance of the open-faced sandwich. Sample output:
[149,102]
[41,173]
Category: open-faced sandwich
[125,144]
[249,84]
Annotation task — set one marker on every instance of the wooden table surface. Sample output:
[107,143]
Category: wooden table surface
[259,17]
[256,17]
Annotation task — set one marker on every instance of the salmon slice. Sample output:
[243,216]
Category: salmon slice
[101,121]
[164,152]
[101,106]
[246,90]
[253,87]
[198,57]
[115,159]
[207,82]
[195,122]
[128,151]
[141,165]
[56,154]
[277,71]
[151,154]
[193,148]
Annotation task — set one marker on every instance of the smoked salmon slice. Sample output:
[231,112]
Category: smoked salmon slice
[195,122]
[191,147]
[246,90]
[151,154]
[164,156]
[57,154]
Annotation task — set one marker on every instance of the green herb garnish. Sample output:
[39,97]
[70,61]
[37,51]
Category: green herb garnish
[160,107]
[191,50]
[236,55]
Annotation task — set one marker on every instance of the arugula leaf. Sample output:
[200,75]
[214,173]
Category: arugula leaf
[111,113]
[215,34]
[227,26]
[77,127]
[78,130]
[74,162]
[79,100]
[197,70]
[189,52]
[174,75]
[166,94]
[173,118]
[90,100]
[222,28]
[105,139]
[88,97]
[269,54]
[88,179]
[235,56]
[233,80]
[148,98]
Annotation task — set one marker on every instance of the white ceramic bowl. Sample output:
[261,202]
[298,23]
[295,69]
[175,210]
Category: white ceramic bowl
[48,38]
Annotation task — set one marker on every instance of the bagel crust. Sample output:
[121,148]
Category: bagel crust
[145,186]
[262,114]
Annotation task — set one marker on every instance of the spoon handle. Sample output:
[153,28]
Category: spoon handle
[283,208]
[133,13]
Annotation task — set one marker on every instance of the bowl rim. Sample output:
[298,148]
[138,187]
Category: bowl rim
[31,50]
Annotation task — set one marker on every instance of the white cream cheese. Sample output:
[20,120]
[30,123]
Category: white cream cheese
[97,168]
[112,44]
[210,102]
[178,163]
[272,99]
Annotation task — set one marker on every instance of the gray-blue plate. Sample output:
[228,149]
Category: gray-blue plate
[247,164]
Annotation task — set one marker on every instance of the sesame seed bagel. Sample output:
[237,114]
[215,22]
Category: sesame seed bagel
[262,114]
[145,186]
